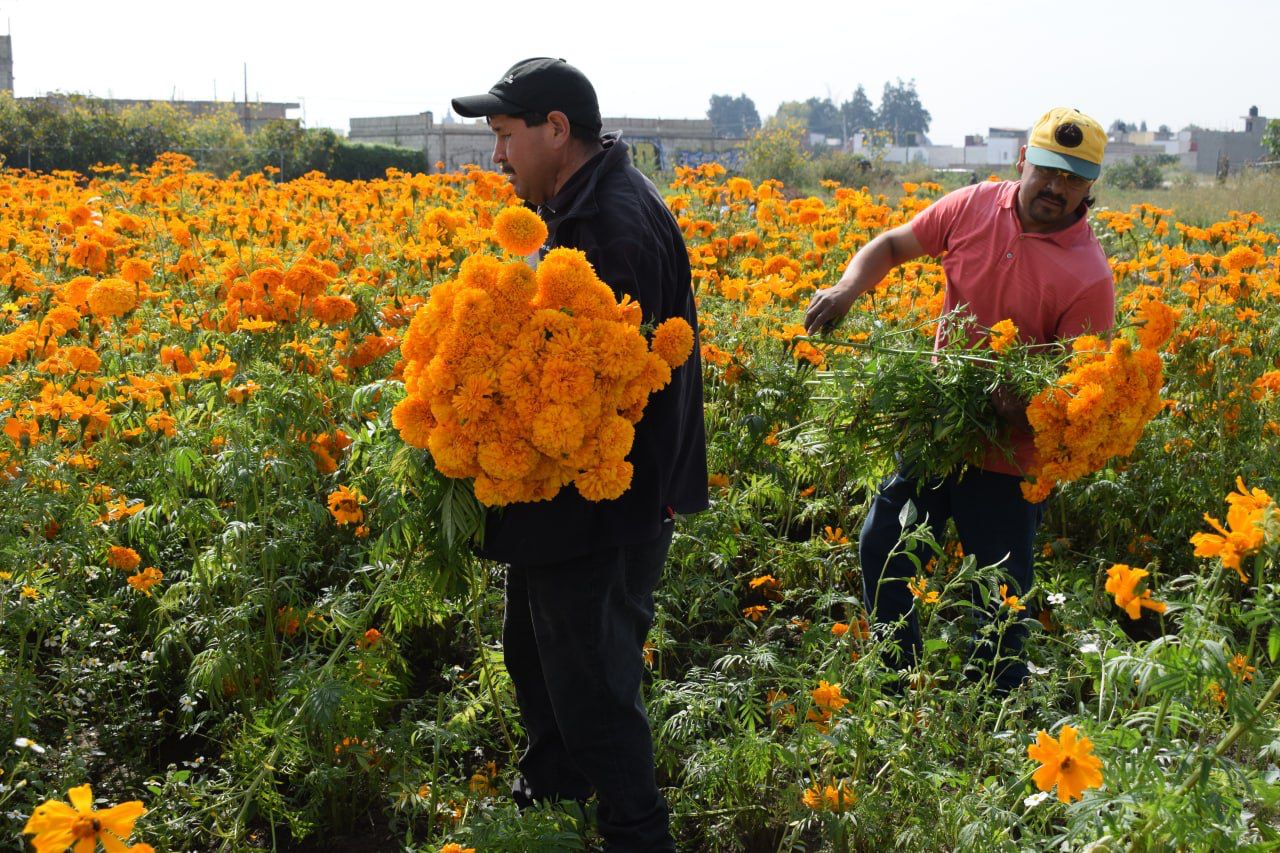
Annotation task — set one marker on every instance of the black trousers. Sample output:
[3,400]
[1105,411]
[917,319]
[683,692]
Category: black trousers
[996,525]
[573,642]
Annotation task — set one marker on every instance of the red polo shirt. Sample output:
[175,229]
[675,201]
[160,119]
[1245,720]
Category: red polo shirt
[1052,286]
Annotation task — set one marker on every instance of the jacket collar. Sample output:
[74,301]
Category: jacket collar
[577,199]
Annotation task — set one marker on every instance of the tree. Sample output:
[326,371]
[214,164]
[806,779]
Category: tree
[824,118]
[857,113]
[1271,138]
[791,113]
[1117,127]
[733,117]
[902,114]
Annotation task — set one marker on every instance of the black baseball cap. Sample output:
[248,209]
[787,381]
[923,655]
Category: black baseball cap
[538,85]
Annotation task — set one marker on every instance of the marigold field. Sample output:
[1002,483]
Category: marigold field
[243,610]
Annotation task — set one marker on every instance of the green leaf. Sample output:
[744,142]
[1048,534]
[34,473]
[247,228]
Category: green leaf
[1273,643]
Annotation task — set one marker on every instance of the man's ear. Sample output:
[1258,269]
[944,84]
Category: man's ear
[560,125]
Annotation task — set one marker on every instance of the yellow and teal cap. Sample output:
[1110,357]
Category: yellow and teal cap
[1065,138]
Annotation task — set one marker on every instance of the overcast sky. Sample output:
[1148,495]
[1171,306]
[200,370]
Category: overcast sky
[976,64]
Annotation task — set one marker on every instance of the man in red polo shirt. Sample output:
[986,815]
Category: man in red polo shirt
[1018,250]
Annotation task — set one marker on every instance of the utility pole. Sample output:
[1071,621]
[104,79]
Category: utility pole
[246,98]
[426,141]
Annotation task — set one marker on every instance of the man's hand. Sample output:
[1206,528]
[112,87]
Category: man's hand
[1010,406]
[827,308]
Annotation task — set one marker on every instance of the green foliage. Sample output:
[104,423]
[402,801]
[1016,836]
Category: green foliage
[76,133]
[1271,138]
[1141,172]
[778,151]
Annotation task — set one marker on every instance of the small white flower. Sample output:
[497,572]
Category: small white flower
[147,657]
[116,666]
[1035,799]
[1089,648]
[28,743]
[1037,670]
[1057,598]
[187,703]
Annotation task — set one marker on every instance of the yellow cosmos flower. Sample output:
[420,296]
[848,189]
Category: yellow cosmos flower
[58,825]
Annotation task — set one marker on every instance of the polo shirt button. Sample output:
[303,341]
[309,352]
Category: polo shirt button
[1009,255]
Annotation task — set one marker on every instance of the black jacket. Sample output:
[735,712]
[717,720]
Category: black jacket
[614,214]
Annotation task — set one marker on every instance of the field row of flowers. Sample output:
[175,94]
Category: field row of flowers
[236,587]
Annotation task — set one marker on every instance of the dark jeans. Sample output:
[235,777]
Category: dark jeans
[995,524]
[573,642]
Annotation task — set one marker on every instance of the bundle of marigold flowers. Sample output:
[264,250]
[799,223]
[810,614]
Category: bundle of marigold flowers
[1098,408]
[528,382]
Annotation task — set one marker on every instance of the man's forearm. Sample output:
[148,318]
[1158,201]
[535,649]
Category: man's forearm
[868,267]
[865,271]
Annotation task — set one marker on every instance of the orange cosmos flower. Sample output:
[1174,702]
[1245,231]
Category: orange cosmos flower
[1067,762]
[1122,582]
[832,798]
[145,579]
[919,587]
[1244,534]
[1010,601]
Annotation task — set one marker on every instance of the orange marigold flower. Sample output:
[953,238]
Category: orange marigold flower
[111,297]
[1003,335]
[519,230]
[344,505]
[120,557]
[1067,761]
[827,696]
[1158,323]
[673,341]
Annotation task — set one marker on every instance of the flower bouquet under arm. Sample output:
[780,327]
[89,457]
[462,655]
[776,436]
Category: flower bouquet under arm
[523,382]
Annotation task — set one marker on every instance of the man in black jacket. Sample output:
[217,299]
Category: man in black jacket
[582,573]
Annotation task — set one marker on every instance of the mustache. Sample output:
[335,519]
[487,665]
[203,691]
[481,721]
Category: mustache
[507,170]
[1048,196]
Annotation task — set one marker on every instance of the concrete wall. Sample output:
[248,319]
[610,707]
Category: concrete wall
[655,143]
[1205,147]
